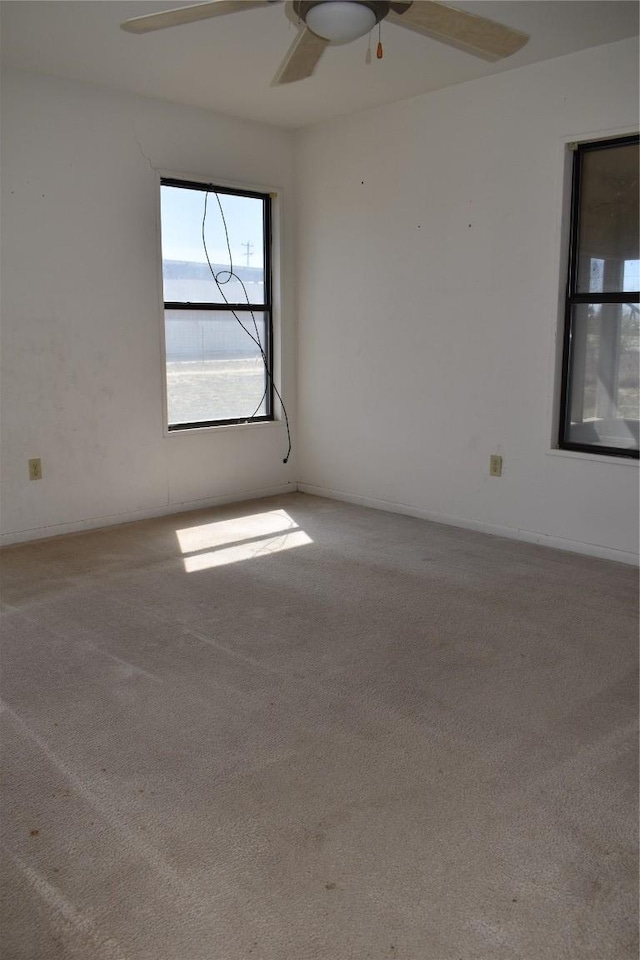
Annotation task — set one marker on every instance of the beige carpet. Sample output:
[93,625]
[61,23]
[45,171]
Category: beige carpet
[294,729]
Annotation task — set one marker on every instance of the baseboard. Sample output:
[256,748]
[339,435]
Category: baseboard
[167,509]
[496,530]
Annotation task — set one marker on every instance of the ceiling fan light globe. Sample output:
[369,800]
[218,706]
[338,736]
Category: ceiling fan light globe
[340,20]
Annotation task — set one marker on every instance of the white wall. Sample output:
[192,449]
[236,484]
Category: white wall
[425,344]
[428,252]
[81,308]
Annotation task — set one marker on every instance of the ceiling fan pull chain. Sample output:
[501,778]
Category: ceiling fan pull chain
[367,56]
[379,50]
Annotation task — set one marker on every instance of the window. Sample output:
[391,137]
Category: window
[216,270]
[600,378]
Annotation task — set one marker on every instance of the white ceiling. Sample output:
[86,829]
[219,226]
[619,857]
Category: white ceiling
[227,64]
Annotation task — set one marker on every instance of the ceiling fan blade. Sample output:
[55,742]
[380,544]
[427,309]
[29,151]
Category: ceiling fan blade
[301,59]
[197,11]
[483,38]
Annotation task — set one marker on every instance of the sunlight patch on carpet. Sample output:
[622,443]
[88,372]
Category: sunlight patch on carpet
[216,544]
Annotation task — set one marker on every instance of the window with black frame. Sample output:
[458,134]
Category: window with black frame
[601,361]
[216,270]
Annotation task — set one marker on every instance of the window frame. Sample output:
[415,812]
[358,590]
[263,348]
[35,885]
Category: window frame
[574,298]
[266,308]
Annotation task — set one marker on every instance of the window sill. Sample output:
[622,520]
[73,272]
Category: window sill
[223,427]
[594,457]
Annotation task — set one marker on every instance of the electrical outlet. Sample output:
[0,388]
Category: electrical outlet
[35,469]
[495,465]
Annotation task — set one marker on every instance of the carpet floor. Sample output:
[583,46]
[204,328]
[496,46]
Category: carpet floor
[296,729]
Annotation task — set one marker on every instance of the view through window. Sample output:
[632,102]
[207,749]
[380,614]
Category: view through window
[217,304]
[600,388]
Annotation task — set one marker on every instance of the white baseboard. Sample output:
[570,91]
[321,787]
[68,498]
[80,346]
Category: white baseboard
[497,530]
[167,509]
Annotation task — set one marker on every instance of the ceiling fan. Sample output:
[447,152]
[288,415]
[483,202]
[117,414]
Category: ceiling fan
[341,21]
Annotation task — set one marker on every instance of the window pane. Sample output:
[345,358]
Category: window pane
[187,277]
[608,220]
[215,370]
[604,375]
